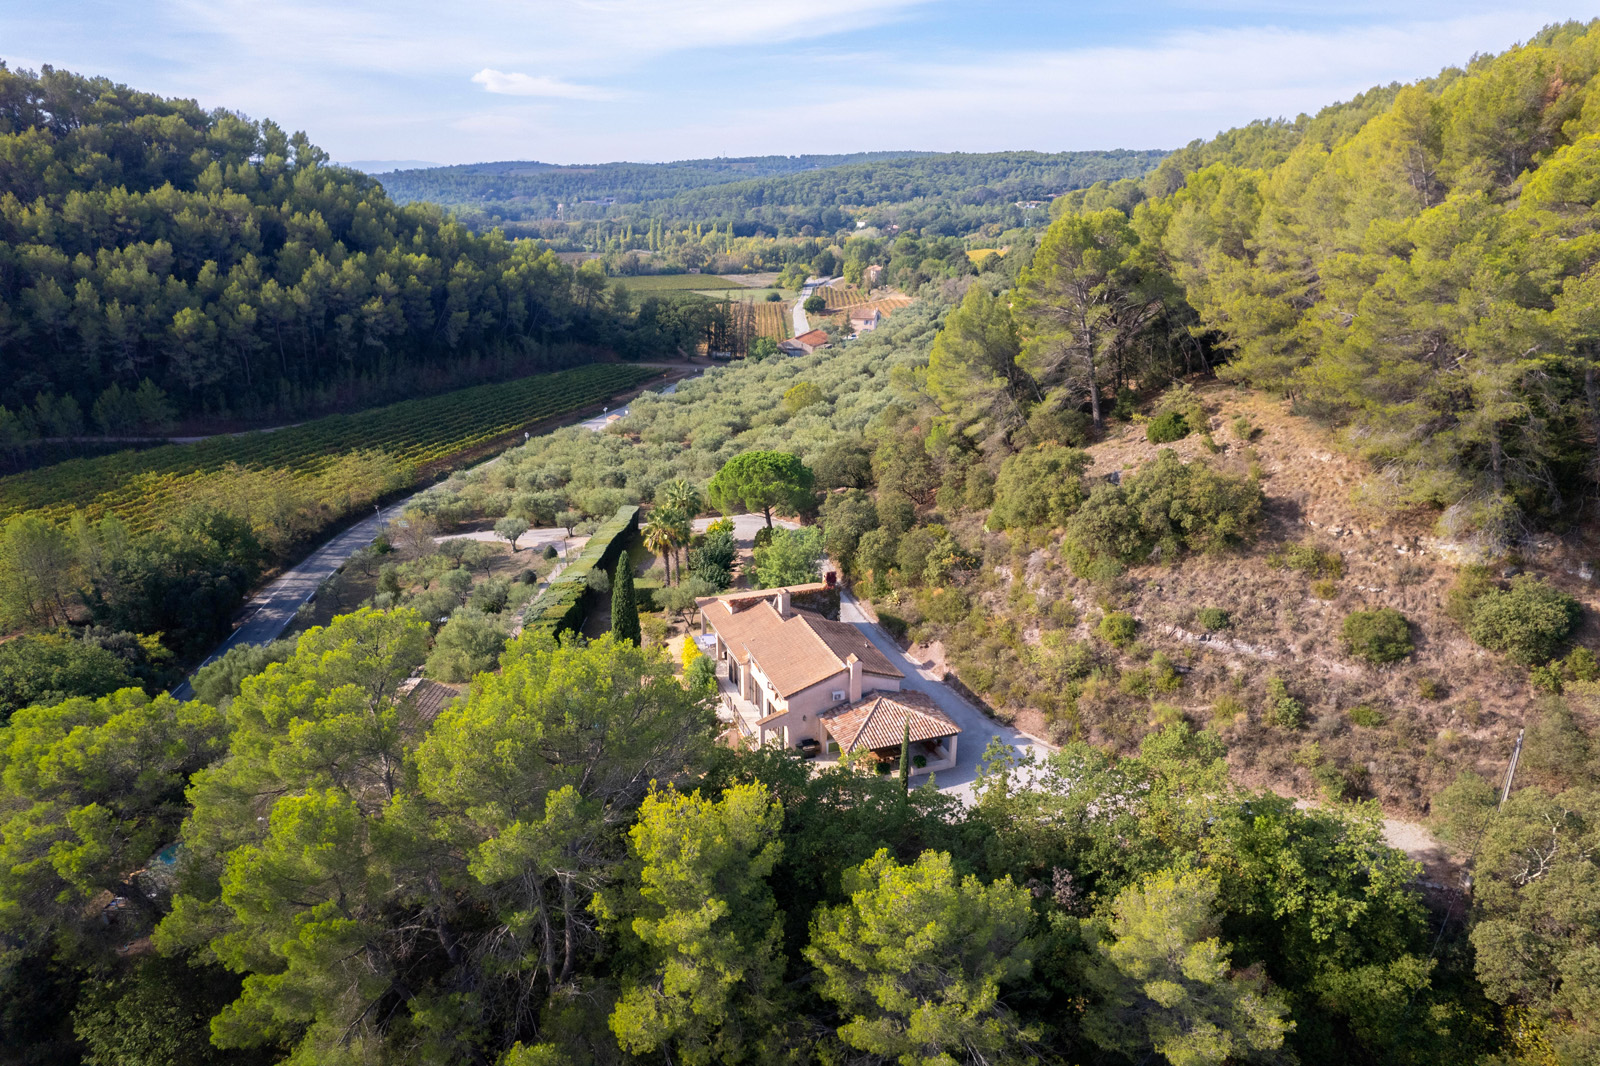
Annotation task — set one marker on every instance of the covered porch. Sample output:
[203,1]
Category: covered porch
[877,727]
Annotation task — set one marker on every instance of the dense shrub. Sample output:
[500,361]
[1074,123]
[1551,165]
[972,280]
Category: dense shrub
[467,645]
[1040,486]
[1283,709]
[1308,559]
[789,557]
[1367,716]
[1471,582]
[1117,628]
[713,559]
[1380,636]
[1164,429]
[1212,619]
[1529,621]
[1166,508]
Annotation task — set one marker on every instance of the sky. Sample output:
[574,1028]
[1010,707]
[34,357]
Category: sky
[574,81]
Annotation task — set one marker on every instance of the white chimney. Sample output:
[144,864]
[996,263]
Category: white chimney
[783,603]
[853,665]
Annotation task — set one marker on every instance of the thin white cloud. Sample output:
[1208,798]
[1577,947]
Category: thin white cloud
[378,79]
[504,84]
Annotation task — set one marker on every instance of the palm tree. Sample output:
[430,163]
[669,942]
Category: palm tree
[659,535]
[681,496]
[682,534]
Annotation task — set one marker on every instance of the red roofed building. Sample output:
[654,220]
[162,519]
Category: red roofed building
[804,344]
[789,675]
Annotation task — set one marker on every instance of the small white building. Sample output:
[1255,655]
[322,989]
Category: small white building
[863,319]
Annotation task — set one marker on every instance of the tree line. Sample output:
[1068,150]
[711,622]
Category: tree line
[563,867]
[1415,267]
[224,263]
[946,194]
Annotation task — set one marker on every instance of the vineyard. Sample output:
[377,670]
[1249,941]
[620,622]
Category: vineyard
[774,319]
[839,305]
[355,456]
[841,297]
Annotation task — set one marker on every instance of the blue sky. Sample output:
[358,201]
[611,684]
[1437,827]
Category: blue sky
[596,80]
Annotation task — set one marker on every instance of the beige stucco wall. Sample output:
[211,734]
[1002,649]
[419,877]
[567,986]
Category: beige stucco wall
[802,710]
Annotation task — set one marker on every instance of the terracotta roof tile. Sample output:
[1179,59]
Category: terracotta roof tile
[796,652]
[428,697]
[879,721]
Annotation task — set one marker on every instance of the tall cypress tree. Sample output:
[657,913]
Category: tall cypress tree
[624,606]
[905,758]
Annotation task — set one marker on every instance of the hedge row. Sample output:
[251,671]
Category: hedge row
[561,607]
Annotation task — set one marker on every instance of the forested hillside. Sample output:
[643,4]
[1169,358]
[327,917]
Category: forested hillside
[1249,620]
[222,261]
[1417,266]
[528,189]
[947,195]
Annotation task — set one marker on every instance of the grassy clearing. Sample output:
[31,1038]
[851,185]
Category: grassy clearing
[748,295]
[675,282]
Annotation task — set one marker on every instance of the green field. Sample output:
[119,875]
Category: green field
[674,282]
[748,295]
[146,487]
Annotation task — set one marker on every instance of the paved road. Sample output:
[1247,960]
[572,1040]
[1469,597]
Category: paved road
[745,527]
[604,419]
[977,728]
[801,323]
[269,612]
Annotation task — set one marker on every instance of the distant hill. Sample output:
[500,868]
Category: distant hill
[385,166]
[774,193]
[531,189]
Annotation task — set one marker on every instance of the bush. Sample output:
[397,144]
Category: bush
[468,645]
[712,561]
[815,304]
[1040,486]
[550,551]
[1325,589]
[220,679]
[1367,716]
[1381,636]
[1117,628]
[1283,709]
[1429,688]
[1226,709]
[1471,583]
[1243,430]
[1308,559]
[1164,509]
[1212,619]
[1164,429]
[789,557]
[1529,622]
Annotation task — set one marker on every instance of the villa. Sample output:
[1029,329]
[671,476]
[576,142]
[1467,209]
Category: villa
[791,677]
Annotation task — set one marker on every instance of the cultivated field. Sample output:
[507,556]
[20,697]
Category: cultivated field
[368,452]
[674,282]
[774,320]
[840,297]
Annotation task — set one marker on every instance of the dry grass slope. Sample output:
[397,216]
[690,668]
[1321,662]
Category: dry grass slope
[1450,707]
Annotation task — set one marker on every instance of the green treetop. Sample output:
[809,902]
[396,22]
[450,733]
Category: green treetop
[761,481]
[707,925]
[917,958]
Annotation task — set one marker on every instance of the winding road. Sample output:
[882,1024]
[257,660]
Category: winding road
[268,613]
[801,323]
